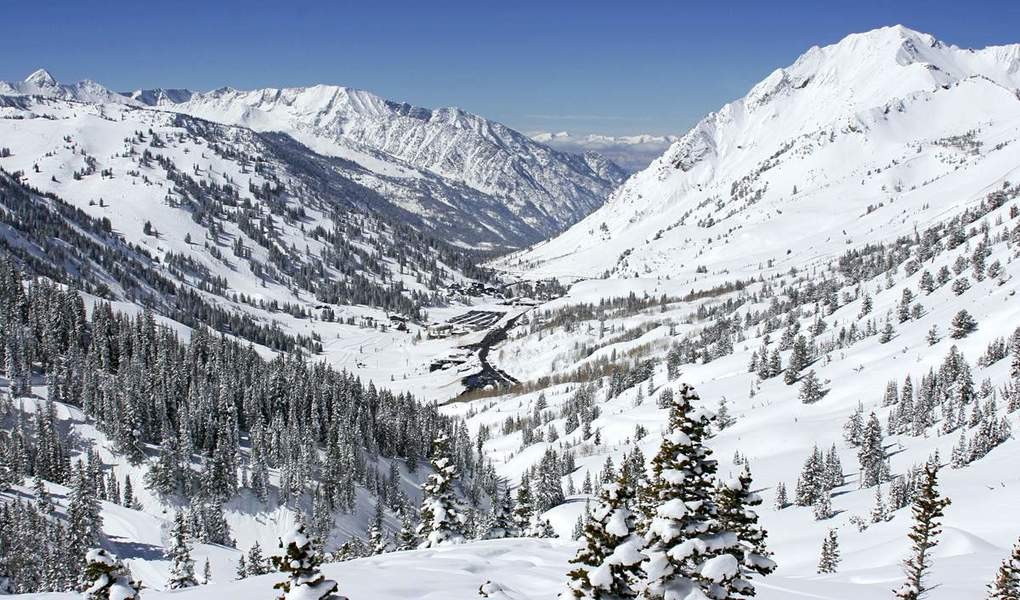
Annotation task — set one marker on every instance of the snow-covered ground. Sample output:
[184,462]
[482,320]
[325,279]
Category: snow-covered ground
[855,144]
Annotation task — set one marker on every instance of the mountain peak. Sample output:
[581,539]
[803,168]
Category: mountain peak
[41,78]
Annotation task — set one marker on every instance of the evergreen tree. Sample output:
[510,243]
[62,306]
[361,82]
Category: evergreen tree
[781,499]
[107,578]
[735,508]
[524,509]
[501,525]
[85,522]
[301,563]
[608,564]
[810,388]
[441,520]
[686,547]
[257,563]
[928,507]
[182,567]
[406,537]
[242,569]
[962,325]
[829,560]
[1006,585]
[871,454]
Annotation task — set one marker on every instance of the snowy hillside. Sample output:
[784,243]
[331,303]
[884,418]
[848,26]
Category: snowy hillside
[543,189]
[832,262]
[478,181]
[866,139]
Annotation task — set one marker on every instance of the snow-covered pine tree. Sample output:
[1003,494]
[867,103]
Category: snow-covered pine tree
[871,454]
[257,563]
[735,504]
[823,506]
[524,509]
[781,499]
[609,562]
[687,550]
[242,569]
[810,388]
[1006,585]
[441,521]
[928,507]
[107,578]
[406,538]
[501,525]
[300,561]
[962,325]
[829,560]
[182,567]
[879,513]
[85,521]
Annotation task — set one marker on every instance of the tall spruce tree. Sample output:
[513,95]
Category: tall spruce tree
[609,562]
[829,560]
[441,520]
[687,549]
[927,510]
[182,567]
[735,504]
[1006,585]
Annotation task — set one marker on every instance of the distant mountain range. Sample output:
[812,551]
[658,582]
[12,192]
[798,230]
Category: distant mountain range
[632,152]
[477,182]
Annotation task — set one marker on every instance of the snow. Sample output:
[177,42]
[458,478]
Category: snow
[866,104]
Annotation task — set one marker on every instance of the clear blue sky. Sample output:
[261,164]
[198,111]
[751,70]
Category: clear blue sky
[627,66]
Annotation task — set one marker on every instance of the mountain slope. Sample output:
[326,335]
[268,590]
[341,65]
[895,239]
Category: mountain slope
[868,137]
[545,189]
[476,182]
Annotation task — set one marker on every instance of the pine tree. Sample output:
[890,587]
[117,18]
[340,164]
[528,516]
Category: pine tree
[377,543]
[524,509]
[928,508]
[609,562]
[85,521]
[962,325]
[257,563]
[687,549]
[108,578]
[206,572]
[879,513]
[888,332]
[810,388]
[242,569]
[501,525]
[823,506]
[829,561]
[441,521]
[781,499]
[735,508]
[301,563]
[871,454]
[1006,585]
[182,567]
[406,537]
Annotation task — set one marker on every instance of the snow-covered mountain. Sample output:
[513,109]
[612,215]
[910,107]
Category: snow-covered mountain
[480,182]
[632,152]
[831,261]
[41,83]
[545,189]
[869,137]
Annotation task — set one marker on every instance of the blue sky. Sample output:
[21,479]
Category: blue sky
[628,66]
